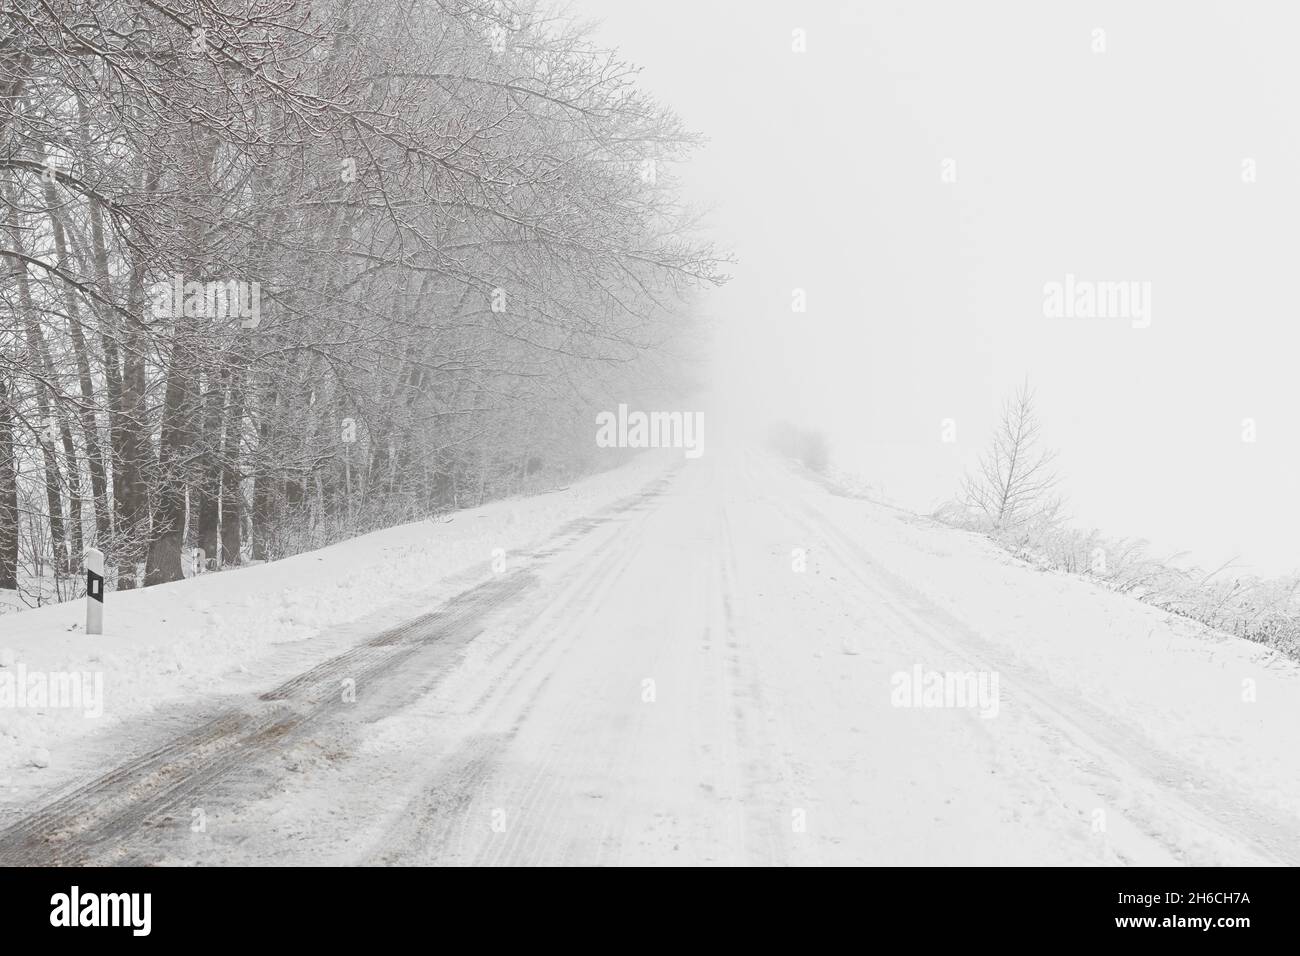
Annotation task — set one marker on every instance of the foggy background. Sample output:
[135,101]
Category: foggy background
[924,297]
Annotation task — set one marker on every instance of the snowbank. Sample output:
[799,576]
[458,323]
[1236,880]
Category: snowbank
[1226,707]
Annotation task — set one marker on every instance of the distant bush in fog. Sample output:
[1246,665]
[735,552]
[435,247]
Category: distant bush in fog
[801,442]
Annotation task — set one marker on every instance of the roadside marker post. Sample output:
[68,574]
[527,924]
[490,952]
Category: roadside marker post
[94,591]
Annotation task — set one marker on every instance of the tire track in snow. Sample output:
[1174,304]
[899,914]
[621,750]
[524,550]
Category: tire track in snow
[441,822]
[130,813]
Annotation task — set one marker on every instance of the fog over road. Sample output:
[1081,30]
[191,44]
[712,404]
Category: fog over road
[731,667]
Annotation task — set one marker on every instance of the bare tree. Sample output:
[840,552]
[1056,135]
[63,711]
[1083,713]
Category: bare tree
[461,221]
[1016,475]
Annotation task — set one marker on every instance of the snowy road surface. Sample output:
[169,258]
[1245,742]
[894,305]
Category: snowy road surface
[709,672]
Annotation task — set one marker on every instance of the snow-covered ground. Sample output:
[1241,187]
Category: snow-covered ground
[224,632]
[683,662]
[1172,737]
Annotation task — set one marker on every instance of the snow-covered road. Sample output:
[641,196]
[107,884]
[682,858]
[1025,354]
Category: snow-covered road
[712,671]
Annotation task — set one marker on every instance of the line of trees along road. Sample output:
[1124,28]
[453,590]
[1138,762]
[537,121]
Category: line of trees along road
[279,271]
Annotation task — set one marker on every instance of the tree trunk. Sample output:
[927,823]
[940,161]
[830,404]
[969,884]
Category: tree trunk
[94,457]
[166,537]
[9,532]
[181,399]
[232,495]
[207,490]
[133,448]
[36,357]
[263,492]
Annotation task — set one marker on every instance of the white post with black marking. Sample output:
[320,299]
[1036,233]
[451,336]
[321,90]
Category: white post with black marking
[94,591]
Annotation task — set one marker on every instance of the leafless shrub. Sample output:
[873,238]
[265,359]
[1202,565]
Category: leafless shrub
[1016,475]
[806,444]
[1261,610]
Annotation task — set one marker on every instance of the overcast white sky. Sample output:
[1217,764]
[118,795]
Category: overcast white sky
[925,298]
